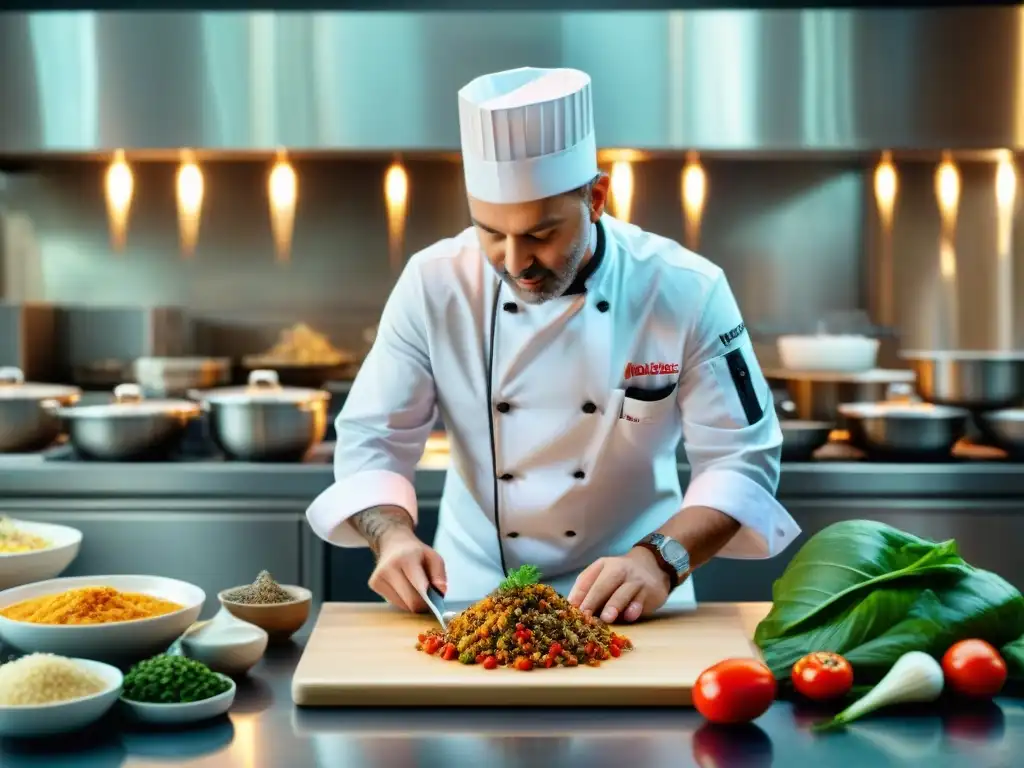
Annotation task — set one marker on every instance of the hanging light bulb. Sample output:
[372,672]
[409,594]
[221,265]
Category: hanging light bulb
[886,189]
[190,189]
[283,191]
[694,193]
[120,188]
[396,198]
[622,189]
[947,191]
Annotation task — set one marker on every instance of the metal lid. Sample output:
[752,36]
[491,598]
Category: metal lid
[264,387]
[14,387]
[899,410]
[128,402]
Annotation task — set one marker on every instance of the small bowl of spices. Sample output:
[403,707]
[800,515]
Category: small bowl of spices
[169,689]
[279,609]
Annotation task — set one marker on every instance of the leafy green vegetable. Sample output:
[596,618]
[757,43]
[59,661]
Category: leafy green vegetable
[523,576]
[871,593]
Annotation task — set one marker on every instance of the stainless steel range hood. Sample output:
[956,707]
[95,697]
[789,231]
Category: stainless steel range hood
[709,80]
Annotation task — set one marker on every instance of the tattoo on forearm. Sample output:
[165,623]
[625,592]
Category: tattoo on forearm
[374,523]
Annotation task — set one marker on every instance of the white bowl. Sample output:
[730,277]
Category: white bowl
[226,644]
[17,568]
[35,720]
[177,714]
[823,352]
[121,641]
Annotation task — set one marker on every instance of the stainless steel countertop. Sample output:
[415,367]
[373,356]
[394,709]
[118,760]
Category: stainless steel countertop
[36,478]
[264,728]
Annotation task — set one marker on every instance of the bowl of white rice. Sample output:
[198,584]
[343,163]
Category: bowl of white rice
[42,694]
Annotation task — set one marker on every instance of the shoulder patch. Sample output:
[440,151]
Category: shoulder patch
[730,336]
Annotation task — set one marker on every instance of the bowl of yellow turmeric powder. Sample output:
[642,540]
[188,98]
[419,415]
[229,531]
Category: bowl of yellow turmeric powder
[104,618]
[31,551]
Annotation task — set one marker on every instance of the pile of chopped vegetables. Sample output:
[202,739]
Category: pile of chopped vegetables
[524,624]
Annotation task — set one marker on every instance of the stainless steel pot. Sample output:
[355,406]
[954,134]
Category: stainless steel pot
[1005,429]
[978,381]
[817,395]
[800,439]
[27,420]
[265,421]
[907,431]
[131,428]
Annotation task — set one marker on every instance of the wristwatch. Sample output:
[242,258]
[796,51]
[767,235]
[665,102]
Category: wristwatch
[672,556]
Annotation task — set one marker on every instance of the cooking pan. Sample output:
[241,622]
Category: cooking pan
[800,439]
[905,431]
[1004,429]
[976,380]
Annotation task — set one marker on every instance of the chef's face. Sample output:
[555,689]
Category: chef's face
[539,247]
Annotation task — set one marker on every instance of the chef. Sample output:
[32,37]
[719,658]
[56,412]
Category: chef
[567,353]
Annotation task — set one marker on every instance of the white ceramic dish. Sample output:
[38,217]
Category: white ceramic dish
[119,641]
[178,714]
[824,352]
[226,644]
[65,716]
[17,568]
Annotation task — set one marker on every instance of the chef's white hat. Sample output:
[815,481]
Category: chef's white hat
[527,134]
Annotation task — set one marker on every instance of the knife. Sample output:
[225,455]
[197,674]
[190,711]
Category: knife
[435,601]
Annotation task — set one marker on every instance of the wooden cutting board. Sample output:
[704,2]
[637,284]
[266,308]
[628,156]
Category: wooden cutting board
[364,654]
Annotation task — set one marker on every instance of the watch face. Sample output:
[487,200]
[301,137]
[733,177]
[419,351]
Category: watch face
[675,553]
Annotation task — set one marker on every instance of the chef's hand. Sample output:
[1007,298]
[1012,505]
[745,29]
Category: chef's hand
[629,587]
[405,566]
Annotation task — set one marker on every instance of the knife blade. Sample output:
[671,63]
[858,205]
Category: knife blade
[435,601]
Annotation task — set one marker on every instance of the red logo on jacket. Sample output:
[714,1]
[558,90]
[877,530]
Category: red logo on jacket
[650,369]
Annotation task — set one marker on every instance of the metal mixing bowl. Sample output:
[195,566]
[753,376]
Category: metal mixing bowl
[130,428]
[905,431]
[27,420]
[978,381]
[265,421]
[1005,429]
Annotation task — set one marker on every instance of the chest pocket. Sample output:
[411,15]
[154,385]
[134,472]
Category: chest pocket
[647,417]
[644,405]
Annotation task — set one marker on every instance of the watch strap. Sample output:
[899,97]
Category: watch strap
[665,565]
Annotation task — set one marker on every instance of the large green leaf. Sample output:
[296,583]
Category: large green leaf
[872,593]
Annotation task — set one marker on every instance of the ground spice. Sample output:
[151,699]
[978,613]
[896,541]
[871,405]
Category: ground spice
[89,605]
[42,678]
[263,591]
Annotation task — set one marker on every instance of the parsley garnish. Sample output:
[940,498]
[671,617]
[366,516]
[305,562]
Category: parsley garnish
[523,576]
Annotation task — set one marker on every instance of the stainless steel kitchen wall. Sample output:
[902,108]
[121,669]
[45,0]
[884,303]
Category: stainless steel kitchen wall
[789,236]
[724,80]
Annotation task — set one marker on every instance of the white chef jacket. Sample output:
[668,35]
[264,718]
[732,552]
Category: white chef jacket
[590,395]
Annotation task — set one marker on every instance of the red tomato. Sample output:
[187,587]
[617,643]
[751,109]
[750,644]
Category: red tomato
[450,652]
[523,664]
[490,662]
[822,675]
[974,668]
[734,691]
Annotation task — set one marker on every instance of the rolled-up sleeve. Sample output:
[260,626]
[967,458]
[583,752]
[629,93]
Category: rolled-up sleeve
[731,433]
[384,425]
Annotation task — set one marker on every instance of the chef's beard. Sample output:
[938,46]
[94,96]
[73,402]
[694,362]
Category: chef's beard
[555,283]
